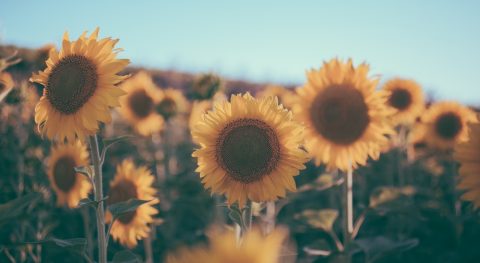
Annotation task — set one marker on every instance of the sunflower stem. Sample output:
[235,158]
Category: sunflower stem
[400,158]
[348,211]
[98,194]
[270,216]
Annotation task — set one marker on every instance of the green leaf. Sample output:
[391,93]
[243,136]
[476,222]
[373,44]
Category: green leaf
[74,244]
[235,214]
[85,170]
[107,143]
[121,208]
[12,209]
[323,219]
[90,202]
[380,246]
[125,256]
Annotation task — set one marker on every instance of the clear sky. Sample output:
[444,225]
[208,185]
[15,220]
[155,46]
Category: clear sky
[435,42]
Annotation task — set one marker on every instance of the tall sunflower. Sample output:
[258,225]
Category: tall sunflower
[406,97]
[171,103]
[138,106]
[6,85]
[446,124]
[346,119]
[132,182]
[250,149]
[223,247]
[468,154]
[69,186]
[80,87]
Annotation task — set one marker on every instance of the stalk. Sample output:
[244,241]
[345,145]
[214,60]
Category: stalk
[348,211]
[98,194]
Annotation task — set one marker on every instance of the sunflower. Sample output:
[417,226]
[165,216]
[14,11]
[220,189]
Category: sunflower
[199,108]
[223,247]
[249,149]
[70,186]
[406,97]
[79,86]
[468,154]
[138,106]
[132,182]
[446,124]
[205,86]
[346,119]
[171,103]
[285,96]
[6,85]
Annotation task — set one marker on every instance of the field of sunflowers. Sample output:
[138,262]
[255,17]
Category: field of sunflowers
[102,161]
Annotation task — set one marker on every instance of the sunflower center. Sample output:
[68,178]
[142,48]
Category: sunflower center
[340,114]
[71,83]
[2,86]
[64,174]
[121,192]
[448,125]
[248,149]
[141,104]
[400,99]
[167,107]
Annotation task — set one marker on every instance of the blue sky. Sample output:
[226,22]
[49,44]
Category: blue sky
[435,42]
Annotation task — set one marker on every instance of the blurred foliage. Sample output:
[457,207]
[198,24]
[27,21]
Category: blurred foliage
[415,219]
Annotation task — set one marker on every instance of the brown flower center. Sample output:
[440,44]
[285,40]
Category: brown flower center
[71,83]
[448,125]
[2,86]
[340,114]
[121,192]
[140,103]
[64,174]
[400,99]
[248,149]
[167,107]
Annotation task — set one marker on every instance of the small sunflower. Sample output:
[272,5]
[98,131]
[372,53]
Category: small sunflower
[138,106]
[285,96]
[80,87]
[346,119]
[223,247]
[6,85]
[132,182]
[70,186]
[406,97]
[468,154]
[446,124]
[171,103]
[205,86]
[250,149]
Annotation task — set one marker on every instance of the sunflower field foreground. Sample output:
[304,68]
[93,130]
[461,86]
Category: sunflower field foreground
[105,161]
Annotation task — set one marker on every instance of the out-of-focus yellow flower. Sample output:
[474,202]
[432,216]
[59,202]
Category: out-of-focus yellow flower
[132,182]
[406,97]
[70,187]
[138,106]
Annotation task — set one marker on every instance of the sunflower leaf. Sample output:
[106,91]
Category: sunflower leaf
[125,256]
[121,208]
[89,202]
[12,209]
[323,219]
[107,143]
[74,244]
[85,170]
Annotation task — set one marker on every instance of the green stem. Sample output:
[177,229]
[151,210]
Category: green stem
[348,211]
[270,216]
[98,194]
